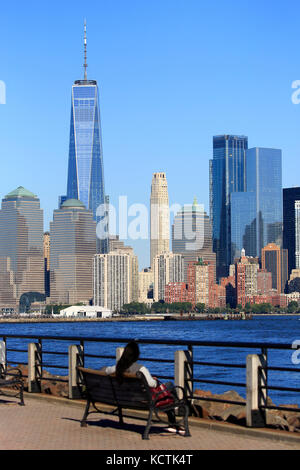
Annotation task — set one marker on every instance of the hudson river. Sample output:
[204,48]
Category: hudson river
[272,329]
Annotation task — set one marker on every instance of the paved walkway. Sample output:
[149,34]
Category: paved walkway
[47,424]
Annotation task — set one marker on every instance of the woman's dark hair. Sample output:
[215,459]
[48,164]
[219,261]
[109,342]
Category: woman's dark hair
[130,355]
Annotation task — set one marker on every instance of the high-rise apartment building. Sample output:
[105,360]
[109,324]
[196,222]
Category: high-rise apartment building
[192,235]
[114,275]
[256,214]
[167,267]
[159,216]
[227,175]
[246,269]
[290,196]
[21,247]
[85,166]
[73,246]
[201,281]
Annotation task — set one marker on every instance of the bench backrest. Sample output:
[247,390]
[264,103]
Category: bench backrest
[133,392]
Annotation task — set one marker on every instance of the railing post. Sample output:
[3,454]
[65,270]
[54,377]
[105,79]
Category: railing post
[183,373]
[2,355]
[256,397]
[75,360]
[34,367]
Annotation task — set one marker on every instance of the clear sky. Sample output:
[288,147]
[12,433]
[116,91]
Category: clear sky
[172,73]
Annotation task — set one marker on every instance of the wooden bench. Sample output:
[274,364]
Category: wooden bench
[133,393]
[12,378]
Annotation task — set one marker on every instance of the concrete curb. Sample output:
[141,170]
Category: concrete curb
[272,434]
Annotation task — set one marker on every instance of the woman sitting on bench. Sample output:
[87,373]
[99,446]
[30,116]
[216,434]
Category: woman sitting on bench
[128,363]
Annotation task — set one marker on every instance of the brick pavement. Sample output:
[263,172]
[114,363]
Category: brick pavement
[47,424]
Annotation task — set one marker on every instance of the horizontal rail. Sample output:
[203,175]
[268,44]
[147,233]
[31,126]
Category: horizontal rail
[218,364]
[219,400]
[219,382]
[166,342]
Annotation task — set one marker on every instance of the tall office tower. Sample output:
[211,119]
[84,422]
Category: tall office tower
[275,260]
[297,234]
[227,175]
[167,267]
[85,167]
[290,196]
[256,215]
[192,236]
[21,247]
[113,275]
[159,216]
[72,248]
[47,262]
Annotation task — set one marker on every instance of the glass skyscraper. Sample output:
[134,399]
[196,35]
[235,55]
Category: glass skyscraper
[85,167]
[290,196]
[256,215]
[227,175]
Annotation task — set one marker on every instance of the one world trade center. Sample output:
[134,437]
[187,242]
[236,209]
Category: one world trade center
[85,166]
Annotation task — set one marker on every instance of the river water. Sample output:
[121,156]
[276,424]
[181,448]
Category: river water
[272,329]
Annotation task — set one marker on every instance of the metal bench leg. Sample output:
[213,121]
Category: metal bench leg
[186,422]
[147,428]
[86,412]
[21,396]
[120,415]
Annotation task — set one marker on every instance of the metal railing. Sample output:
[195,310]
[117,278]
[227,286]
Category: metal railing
[190,365]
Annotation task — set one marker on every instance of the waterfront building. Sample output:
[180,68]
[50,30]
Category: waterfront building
[21,247]
[117,245]
[246,269]
[201,281]
[192,235]
[176,292]
[227,175]
[146,280]
[290,196]
[73,245]
[114,274]
[275,260]
[85,165]
[159,216]
[168,267]
[256,213]
[264,282]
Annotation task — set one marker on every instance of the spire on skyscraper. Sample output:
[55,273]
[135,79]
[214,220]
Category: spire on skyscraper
[85,63]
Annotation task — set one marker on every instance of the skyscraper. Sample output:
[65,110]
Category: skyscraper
[21,247]
[297,234]
[72,248]
[274,260]
[227,175]
[290,196]
[114,276]
[192,235]
[85,167]
[256,215]
[167,267]
[159,216]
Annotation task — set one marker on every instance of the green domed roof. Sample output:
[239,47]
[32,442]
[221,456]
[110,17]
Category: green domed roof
[20,192]
[73,204]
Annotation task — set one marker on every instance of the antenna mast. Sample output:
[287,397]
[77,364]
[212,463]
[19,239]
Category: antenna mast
[85,64]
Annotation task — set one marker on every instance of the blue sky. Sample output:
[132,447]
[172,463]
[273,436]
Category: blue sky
[171,73]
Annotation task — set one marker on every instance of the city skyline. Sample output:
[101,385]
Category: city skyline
[144,88]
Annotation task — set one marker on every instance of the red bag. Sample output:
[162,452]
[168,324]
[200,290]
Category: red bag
[161,395]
